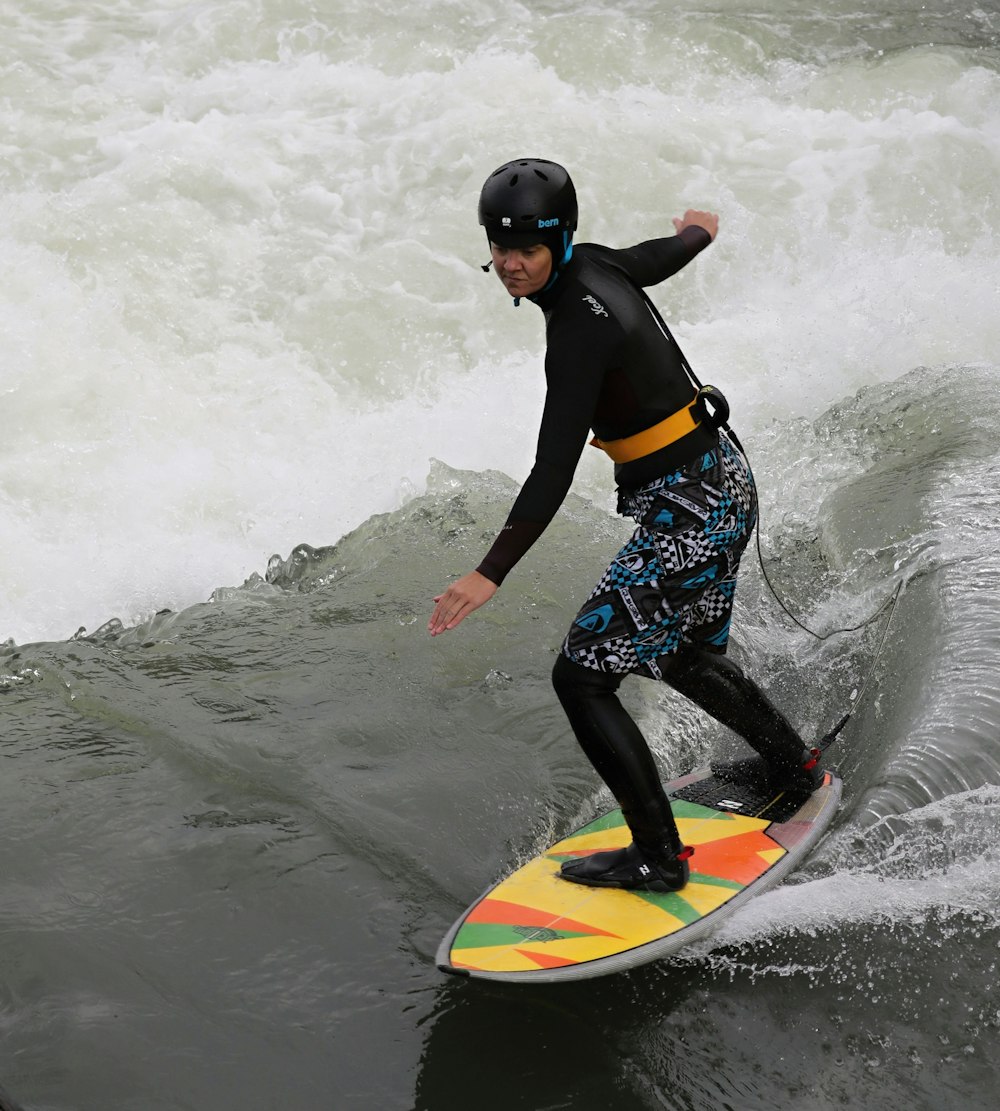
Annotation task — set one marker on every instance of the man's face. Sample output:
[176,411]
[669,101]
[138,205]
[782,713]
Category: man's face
[523,270]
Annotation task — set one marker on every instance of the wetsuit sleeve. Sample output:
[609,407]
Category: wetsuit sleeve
[514,540]
[656,260]
[578,352]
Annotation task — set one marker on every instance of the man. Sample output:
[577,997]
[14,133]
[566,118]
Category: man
[662,609]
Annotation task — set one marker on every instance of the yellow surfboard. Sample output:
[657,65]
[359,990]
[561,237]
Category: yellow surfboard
[533,927]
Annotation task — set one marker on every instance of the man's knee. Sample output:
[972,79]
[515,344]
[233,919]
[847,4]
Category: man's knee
[573,681]
[696,669]
[692,666]
[687,661]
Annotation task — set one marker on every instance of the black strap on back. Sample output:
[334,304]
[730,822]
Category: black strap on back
[710,398]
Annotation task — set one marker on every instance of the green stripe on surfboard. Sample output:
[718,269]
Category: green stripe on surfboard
[479,935]
[680,808]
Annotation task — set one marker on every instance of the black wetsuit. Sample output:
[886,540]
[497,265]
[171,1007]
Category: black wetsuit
[610,367]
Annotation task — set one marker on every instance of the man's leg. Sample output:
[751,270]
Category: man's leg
[619,753]
[725,693]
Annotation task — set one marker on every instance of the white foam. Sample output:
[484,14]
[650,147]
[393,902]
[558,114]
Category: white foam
[243,306]
[937,861]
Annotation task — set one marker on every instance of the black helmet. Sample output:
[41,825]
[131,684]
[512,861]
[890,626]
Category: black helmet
[529,200]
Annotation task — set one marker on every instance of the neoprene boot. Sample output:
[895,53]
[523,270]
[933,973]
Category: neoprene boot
[630,868]
[723,691]
[801,779]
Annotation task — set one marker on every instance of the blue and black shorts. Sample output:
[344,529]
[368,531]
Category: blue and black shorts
[673,583]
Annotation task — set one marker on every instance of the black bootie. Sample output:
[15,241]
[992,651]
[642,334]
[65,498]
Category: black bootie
[631,869]
[800,777]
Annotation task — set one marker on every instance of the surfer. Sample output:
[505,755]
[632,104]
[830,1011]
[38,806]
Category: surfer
[662,609]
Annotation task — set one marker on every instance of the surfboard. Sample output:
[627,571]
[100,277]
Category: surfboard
[533,927]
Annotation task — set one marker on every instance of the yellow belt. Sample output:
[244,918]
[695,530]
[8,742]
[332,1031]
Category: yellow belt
[647,441]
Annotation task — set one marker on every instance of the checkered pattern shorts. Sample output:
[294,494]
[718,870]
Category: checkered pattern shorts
[673,583]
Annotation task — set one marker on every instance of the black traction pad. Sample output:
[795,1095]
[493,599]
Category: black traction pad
[741,798]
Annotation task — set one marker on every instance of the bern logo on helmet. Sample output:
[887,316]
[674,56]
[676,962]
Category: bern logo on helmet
[506,221]
[553,223]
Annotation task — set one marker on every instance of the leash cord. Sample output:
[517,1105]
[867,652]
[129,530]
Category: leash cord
[889,603]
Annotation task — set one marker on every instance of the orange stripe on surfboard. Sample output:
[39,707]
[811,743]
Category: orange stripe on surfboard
[546,960]
[498,912]
[738,859]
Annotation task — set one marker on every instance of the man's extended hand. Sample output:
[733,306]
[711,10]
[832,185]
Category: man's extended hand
[456,603]
[696,218]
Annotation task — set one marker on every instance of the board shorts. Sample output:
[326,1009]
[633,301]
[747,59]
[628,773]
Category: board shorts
[673,583]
